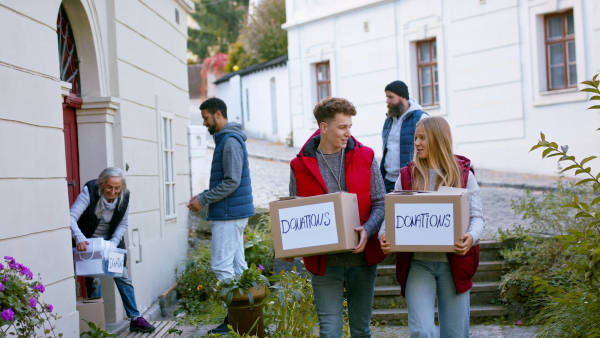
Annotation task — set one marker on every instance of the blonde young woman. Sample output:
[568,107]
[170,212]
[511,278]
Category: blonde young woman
[425,275]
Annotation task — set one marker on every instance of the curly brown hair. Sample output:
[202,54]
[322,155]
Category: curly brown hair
[326,109]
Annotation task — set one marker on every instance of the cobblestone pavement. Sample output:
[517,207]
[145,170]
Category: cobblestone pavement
[269,165]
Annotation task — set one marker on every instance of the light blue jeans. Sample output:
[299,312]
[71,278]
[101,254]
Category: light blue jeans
[227,255]
[328,290]
[426,279]
[125,287]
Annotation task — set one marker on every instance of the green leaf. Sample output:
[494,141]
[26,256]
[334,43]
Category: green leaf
[543,136]
[590,90]
[587,159]
[580,171]
[534,147]
[582,214]
[596,200]
[546,152]
[586,207]
[595,98]
[554,145]
[570,167]
[585,181]
[594,107]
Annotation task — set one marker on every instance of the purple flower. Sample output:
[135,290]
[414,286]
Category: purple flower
[5,279]
[1,287]
[32,302]
[49,307]
[40,288]
[14,265]
[9,259]
[8,314]
[25,271]
[260,267]
[1,267]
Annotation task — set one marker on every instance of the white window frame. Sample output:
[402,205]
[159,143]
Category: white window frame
[409,53]
[168,166]
[538,10]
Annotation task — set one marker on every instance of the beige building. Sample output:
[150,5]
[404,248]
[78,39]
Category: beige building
[88,84]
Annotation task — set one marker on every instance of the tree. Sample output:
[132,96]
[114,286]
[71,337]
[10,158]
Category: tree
[262,38]
[219,23]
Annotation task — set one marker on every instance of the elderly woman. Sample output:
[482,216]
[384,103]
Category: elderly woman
[102,211]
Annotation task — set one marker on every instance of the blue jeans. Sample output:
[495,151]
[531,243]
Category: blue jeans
[227,253]
[328,290]
[125,288]
[426,279]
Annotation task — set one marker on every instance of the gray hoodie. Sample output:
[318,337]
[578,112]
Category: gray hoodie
[233,160]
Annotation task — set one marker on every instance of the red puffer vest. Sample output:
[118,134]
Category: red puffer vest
[358,181]
[463,267]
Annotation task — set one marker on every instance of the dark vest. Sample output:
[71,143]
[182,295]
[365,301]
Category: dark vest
[88,222]
[407,138]
[309,182]
[239,203]
[463,267]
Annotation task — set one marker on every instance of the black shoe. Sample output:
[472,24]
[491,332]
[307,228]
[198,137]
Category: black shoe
[222,328]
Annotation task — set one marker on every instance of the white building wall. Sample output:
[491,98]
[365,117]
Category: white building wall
[491,71]
[150,87]
[259,101]
[266,108]
[133,67]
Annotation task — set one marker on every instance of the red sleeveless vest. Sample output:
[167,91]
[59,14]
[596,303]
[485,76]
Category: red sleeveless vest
[463,267]
[309,182]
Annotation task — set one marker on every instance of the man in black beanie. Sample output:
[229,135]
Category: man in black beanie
[398,131]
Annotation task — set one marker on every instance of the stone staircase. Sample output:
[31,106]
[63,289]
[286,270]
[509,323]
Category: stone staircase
[390,307]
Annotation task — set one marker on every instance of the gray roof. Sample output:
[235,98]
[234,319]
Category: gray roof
[280,60]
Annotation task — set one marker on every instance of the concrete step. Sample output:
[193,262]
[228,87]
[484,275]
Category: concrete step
[487,271]
[388,296]
[479,313]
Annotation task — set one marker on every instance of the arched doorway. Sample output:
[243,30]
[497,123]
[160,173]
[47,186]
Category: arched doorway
[69,72]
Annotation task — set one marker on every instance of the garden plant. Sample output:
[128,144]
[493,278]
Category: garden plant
[22,313]
[561,252]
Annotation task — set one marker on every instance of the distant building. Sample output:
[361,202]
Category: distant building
[500,71]
[106,86]
[258,98]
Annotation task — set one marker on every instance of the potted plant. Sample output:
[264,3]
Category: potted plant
[243,295]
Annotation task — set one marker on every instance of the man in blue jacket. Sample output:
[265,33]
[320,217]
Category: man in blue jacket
[398,131]
[229,197]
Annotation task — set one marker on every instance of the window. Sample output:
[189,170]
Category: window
[168,172]
[323,81]
[561,67]
[427,68]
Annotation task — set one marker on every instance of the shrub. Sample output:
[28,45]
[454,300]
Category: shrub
[20,307]
[258,245]
[574,311]
[289,308]
[197,280]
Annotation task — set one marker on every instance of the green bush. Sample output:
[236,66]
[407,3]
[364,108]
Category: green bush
[572,308]
[258,245]
[290,308]
[194,284]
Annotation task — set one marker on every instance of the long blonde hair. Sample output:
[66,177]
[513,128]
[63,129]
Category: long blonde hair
[441,157]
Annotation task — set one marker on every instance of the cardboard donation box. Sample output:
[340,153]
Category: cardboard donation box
[92,310]
[99,259]
[307,226]
[426,221]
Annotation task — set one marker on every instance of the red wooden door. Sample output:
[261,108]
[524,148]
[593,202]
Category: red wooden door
[72,153]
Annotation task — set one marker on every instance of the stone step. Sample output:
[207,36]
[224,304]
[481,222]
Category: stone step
[479,313]
[487,271]
[388,296]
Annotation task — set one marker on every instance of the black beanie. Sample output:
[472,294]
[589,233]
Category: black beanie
[399,88]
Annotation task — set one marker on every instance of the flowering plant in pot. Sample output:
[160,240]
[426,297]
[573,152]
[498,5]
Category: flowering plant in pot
[250,284]
[21,310]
